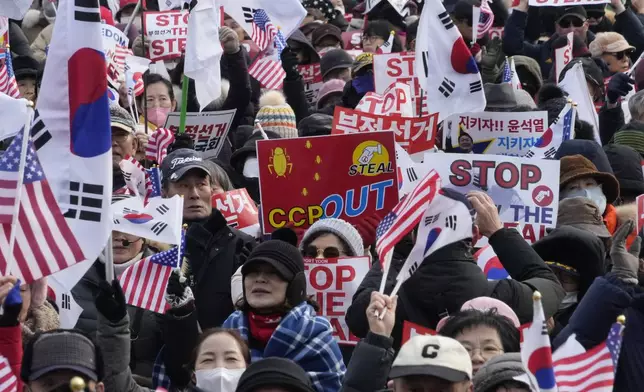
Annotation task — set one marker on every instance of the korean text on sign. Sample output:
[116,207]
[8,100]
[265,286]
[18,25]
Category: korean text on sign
[167,33]
[238,209]
[207,129]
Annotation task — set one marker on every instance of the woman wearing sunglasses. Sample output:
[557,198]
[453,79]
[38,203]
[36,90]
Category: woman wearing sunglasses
[614,50]
[331,238]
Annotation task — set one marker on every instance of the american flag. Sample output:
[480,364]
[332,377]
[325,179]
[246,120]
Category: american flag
[8,381]
[157,147]
[405,215]
[592,370]
[154,183]
[267,69]
[263,30]
[510,74]
[8,83]
[144,283]
[486,19]
[135,175]
[119,57]
[44,243]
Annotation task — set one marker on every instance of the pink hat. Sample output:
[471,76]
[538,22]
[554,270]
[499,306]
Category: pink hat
[330,87]
[483,304]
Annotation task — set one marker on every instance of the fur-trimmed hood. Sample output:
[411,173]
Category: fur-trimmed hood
[626,212]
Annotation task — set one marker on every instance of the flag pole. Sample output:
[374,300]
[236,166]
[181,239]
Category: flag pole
[184,102]
[129,23]
[109,260]
[21,172]
[145,84]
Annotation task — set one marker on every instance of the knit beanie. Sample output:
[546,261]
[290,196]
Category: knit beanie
[340,228]
[276,115]
[633,138]
[274,372]
[497,370]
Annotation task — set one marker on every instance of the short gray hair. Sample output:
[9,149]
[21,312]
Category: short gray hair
[636,106]
[218,176]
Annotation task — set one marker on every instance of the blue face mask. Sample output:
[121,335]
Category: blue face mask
[363,84]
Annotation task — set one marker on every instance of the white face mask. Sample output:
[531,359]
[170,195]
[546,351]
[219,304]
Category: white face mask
[595,194]
[251,168]
[219,379]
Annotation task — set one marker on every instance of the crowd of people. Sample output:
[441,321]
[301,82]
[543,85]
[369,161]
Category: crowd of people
[239,316]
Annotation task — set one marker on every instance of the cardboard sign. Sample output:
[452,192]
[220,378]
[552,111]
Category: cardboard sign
[640,213]
[167,33]
[333,282]
[114,38]
[312,79]
[397,99]
[412,329]
[564,3]
[501,133]
[352,40]
[526,191]
[207,129]
[563,56]
[239,210]
[399,67]
[414,134]
[337,176]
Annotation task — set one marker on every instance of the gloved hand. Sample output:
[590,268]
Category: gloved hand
[290,63]
[229,40]
[619,86]
[110,301]
[179,296]
[492,55]
[625,263]
[11,301]
[243,251]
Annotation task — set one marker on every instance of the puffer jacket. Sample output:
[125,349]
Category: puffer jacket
[145,329]
[41,44]
[450,277]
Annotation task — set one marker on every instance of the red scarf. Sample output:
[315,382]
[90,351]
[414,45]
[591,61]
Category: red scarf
[262,326]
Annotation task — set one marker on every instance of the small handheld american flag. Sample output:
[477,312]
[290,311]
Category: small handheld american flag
[145,283]
[263,29]
[8,83]
[157,147]
[8,381]
[154,183]
[267,67]
[486,19]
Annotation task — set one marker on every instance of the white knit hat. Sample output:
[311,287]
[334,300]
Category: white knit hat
[339,227]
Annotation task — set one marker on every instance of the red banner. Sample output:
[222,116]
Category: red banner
[238,209]
[412,329]
[337,176]
[414,134]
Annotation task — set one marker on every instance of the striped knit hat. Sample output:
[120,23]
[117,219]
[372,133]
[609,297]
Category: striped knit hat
[630,137]
[275,115]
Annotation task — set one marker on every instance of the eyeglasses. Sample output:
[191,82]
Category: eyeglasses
[328,253]
[575,22]
[486,352]
[369,38]
[622,54]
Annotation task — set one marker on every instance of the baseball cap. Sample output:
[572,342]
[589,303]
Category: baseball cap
[575,10]
[436,356]
[180,161]
[61,350]
[284,257]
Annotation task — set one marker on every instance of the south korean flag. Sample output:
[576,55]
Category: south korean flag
[445,67]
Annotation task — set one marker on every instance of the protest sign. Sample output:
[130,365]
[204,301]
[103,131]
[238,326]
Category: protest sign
[337,176]
[399,67]
[333,282]
[513,133]
[312,79]
[495,32]
[412,329]
[640,213]
[166,32]
[239,210]
[564,3]
[207,129]
[352,40]
[414,134]
[397,99]
[526,191]
[115,43]
[563,56]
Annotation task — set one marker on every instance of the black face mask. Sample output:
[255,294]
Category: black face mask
[252,186]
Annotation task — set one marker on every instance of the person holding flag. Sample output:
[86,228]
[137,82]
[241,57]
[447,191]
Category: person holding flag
[454,275]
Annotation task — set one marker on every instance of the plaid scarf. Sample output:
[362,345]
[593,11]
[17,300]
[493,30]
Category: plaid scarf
[304,338]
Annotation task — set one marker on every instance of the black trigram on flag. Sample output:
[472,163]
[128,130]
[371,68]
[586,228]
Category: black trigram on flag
[158,227]
[65,302]
[530,154]
[413,268]
[431,219]
[411,174]
[39,133]
[476,86]
[162,209]
[116,221]
[87,11]
[127,176]
[248,14]
[446,20]
[447,87]
[550,153]
[450,221]
[85,201]
[425,63]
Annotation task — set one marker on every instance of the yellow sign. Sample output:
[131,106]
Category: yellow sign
[370,158]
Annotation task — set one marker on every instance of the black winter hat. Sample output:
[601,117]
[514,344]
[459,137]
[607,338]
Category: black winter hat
[274,372]
[627,168]
[317,124]
[589,149]
[250,148]
[25,67]
[287,261]
[335,59]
